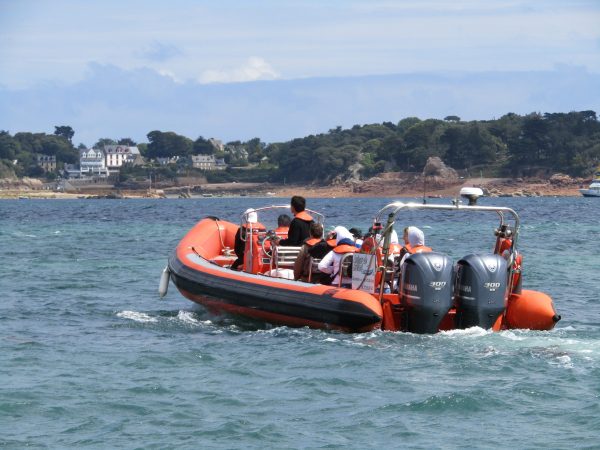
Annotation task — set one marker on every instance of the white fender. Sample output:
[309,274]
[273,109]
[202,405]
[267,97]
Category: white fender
[163,285]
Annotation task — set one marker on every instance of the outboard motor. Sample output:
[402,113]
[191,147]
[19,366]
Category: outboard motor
[426,290]
[480,290]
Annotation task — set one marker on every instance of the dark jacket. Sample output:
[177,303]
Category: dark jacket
[319,250]
[299,230]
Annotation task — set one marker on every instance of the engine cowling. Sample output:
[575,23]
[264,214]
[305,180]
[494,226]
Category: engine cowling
[480,290]
[426,291]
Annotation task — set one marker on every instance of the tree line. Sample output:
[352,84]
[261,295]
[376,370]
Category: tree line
[512,145]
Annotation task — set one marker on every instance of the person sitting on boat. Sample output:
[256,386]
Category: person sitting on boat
[314,247]
[240,236]
[331,262]
[283,225]
[330,239]
[406,244]
[300,226]
[373,236]
[358,236]
[416,243]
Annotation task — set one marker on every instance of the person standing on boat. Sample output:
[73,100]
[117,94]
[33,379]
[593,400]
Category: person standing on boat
[300,226]
[331,262]
[240,236]
[314,247]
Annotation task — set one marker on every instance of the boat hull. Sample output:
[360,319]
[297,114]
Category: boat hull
[274,300]
[590,192]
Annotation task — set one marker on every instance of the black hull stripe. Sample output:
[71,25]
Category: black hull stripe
[271,299]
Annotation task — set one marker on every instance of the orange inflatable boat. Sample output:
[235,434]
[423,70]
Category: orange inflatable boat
[427,293]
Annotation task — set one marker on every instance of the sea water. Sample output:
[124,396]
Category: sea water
[91,358]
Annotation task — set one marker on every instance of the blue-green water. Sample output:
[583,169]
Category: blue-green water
[91,358]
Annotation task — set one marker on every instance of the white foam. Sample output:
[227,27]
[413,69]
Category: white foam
[136,316]
[188,317]
[469,332]
[565,361]
[509,334]
[21,234]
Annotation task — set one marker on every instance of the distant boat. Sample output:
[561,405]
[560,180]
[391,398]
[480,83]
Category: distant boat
[207,195]
[593,189]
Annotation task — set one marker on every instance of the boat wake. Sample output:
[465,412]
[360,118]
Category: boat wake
[137,316]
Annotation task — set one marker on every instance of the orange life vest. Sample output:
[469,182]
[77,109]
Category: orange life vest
[303,215]
[282,231]
[345,248]
[395,249]
[419,249]
[312,241]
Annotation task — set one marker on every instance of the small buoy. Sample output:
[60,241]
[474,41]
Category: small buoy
[163,286]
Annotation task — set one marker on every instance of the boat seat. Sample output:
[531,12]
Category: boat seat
[284,257]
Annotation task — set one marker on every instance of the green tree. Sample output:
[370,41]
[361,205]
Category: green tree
[452,119]
[127,141]
[532,148]
[64,131]
[168,144]
[104,141]
[9,147]
[203,146]
[255,149]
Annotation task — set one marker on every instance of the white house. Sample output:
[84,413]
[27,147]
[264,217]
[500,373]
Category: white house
[117,155]
[92,162]
[208,162]
[204,162]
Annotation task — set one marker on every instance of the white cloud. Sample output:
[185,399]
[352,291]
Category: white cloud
[254,69]
[171,75]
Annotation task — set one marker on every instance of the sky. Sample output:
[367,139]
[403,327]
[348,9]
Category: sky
[284,69]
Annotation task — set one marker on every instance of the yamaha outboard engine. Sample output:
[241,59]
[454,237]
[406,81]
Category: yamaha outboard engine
[480,290]
[426,289]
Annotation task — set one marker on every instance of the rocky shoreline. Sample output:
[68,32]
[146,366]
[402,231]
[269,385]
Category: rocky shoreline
[390,184]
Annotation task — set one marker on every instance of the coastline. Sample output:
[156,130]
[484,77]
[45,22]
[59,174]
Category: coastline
[493,187]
